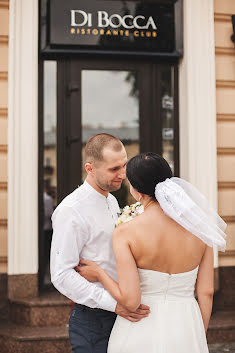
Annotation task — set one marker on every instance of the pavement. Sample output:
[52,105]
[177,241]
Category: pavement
[222,347]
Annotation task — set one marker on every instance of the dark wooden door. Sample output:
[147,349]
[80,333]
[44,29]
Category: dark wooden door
[83,85]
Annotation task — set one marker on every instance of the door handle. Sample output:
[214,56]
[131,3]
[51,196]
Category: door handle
[72,87]
[72,139]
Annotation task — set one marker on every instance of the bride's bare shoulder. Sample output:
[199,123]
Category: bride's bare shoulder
[128,229]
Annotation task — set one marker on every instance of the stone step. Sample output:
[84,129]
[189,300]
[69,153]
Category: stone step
[24,339]
[50,309]
[221,327]
[54,339]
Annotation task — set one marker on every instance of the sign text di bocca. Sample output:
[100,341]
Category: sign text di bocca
[81,18]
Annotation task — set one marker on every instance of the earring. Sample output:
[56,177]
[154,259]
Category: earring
[140,197]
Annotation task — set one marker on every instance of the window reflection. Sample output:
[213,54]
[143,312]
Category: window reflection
[110,104]
[49,161]
[167,113]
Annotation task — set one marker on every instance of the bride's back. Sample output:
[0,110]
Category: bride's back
[159,243]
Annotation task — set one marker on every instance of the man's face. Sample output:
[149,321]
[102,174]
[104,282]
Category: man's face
[109,174]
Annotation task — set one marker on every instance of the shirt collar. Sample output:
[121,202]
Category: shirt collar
[95,192]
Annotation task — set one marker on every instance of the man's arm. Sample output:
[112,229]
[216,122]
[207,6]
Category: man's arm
[69,237]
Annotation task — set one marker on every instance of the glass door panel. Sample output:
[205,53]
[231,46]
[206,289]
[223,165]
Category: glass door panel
[49,166]
[167,113]
[110,104]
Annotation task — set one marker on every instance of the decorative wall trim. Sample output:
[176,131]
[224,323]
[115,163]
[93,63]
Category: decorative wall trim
[224,51]
[3,148]
[225,117]
[227,253]
[3,112]
[3,222]
[3,40]
[197,93]
[3,76]
[229,219]
[23,139]
[4,4]
[226,185]
[3,259]
[3,185]
[222,17]
[225,150]
[225,84]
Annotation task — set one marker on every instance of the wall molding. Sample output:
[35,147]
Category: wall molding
[197,99]
[3,112]
[3,148]
[3,260]
[3,40]
[4,4]
[229,219]
[224,83]
[3,75]
[227,253]
[23,138]
[3,185]
[3,223]
[224,51]
[226,150]
[222,17]
[225,117]
[226,185]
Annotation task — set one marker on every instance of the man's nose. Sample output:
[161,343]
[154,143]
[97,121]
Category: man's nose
[122,173]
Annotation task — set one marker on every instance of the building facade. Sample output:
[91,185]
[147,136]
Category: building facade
[197,95]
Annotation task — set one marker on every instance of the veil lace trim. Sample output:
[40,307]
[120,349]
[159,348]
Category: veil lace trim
[182,202]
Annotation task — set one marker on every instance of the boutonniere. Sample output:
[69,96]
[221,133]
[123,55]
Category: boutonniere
[129,212]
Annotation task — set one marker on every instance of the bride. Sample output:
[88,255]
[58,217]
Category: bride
[162,256]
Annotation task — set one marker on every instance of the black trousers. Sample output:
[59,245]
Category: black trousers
[89,329]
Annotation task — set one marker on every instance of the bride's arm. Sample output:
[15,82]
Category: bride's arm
[205,285]
[127,290]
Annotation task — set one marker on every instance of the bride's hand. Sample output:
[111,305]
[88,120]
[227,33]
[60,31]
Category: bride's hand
[89,270]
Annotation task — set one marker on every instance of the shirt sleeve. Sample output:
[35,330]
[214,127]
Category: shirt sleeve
[69,237]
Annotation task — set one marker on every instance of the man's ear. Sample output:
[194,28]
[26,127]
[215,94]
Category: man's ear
[89,167]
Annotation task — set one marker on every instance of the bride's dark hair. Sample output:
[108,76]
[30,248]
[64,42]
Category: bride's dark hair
[146,170]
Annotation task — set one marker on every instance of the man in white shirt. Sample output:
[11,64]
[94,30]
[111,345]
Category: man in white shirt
[82,229]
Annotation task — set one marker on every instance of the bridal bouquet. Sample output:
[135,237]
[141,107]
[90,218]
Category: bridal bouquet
[129,212]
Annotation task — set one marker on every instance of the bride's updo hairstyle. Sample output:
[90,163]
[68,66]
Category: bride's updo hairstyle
[146,170]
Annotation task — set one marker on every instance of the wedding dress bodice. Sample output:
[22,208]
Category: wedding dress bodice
[174,324]
[163,286]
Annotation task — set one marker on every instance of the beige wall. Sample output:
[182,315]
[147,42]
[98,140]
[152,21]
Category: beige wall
[225,106]
[4,22]
[225,99]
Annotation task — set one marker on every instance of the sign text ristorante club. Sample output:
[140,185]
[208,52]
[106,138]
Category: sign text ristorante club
[112,25]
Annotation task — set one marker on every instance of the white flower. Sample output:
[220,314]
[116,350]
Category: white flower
[129,212]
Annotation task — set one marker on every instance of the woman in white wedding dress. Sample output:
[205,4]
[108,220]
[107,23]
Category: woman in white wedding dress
[162,256]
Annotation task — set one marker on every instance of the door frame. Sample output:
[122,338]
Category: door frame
[70,114]
[148,139]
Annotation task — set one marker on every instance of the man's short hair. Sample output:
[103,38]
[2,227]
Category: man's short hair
[96,144]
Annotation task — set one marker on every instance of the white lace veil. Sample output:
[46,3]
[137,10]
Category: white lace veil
[182,202]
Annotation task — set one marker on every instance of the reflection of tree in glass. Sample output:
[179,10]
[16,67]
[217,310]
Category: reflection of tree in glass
[166,80]
[132,79]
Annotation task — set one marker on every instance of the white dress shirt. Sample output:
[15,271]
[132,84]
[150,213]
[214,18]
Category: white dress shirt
[83,224]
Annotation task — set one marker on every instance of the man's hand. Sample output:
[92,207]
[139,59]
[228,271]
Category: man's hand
[89,270]
[140,313]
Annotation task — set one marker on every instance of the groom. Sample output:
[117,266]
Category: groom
[82,228]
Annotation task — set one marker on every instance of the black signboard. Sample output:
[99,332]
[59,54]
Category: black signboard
[150,27]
